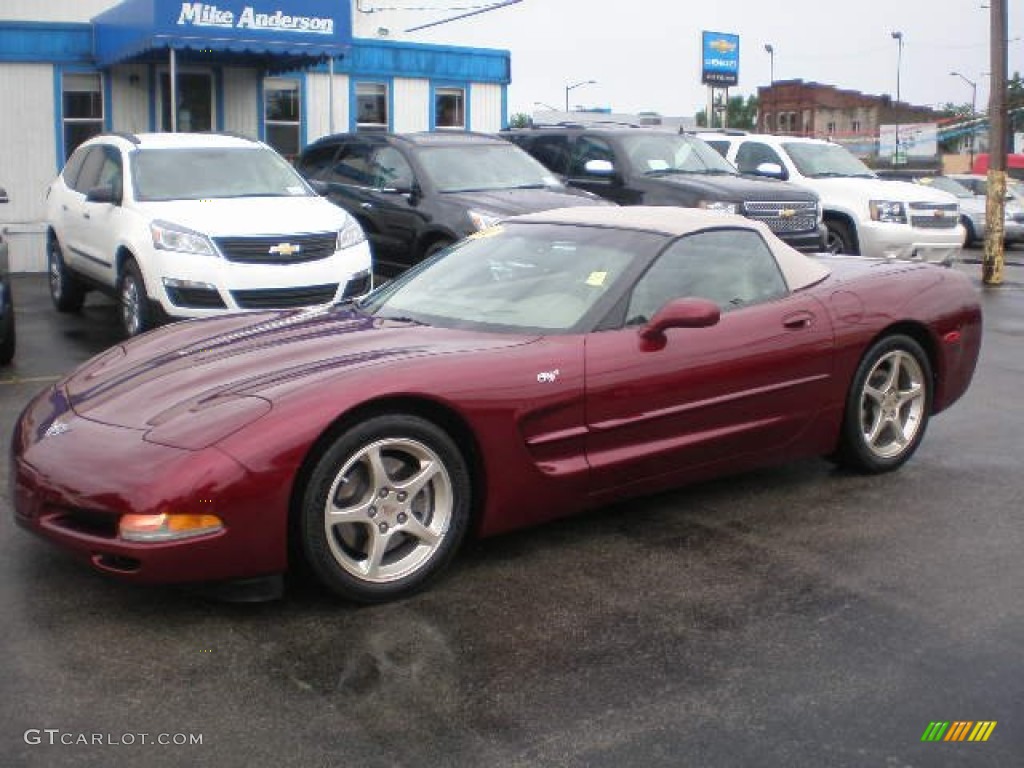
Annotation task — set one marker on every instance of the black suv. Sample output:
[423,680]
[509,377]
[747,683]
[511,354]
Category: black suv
[415,193]
[637,166]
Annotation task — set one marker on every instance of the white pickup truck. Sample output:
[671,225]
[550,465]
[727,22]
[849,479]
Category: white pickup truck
[863,213]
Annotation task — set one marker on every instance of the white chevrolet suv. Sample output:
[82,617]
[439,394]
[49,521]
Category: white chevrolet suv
[193,225]
[863,213]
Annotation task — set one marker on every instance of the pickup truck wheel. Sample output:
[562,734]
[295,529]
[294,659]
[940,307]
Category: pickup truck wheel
[839,238]
[66,292]
[136,313]
[970,236]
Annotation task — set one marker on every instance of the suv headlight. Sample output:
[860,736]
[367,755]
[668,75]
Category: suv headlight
[171,237]
[350,234]
[719,205]
[483,219]
[888,212]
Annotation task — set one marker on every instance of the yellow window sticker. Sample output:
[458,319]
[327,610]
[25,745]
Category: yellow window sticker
[489,232]
[597,279]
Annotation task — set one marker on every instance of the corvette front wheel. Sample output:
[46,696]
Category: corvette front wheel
[386,508]
[887,407]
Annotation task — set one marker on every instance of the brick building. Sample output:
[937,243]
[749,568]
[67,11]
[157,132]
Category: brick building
[823,111]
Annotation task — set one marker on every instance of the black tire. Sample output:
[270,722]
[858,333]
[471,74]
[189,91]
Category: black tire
[839,238]
[136,313]
[971,236]
[414,532]
[887,408]
[66,292]
[8,338]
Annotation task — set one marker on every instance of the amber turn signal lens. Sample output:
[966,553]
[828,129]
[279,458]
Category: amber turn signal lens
[167,527]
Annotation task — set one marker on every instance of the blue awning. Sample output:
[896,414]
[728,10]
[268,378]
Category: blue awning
[276,33]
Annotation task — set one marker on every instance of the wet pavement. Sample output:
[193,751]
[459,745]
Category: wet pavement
[798,616]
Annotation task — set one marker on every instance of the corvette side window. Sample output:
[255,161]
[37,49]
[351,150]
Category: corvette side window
[731,267]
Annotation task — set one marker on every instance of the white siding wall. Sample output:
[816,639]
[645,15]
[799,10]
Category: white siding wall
[28,159]
[317,106]
[242,108]
[130,108]
[54,10]
[412,105]
[485,107]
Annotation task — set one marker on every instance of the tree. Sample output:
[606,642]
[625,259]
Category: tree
[519,120]
[741,113]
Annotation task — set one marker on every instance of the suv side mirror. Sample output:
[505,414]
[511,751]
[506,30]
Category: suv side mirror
[679,313]
[3,196]
[103,194]
[771,170]
[599,167]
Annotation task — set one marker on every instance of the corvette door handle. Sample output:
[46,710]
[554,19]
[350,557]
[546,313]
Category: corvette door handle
[798,320]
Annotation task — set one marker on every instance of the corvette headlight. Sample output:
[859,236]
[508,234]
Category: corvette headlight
[171,237]
[483,219]
[350,234]
[718,205]
[888,211]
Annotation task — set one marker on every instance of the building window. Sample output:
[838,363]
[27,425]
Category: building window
[450,108]
[371,107]
[856,126]
[82,100]
[767,122]
[831,128]
[282,111]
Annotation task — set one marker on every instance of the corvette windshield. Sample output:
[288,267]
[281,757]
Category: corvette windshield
[819,161]
[483,167]
[537,277]
[654,154]
[201,173]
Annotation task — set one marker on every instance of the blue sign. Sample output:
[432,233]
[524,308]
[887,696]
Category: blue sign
[288,28]
[720,59]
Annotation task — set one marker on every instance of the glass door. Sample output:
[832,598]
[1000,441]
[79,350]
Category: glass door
[195,102]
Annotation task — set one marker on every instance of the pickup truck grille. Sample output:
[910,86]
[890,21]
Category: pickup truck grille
[793,216]
[278,249]
[934,215]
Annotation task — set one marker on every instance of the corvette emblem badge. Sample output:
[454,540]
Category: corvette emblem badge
[56,428]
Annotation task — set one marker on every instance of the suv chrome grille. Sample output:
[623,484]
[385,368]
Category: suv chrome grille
[285,298]
[278,249]
[934,215]
[786,216]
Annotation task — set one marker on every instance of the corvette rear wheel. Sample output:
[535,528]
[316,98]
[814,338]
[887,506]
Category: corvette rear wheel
[386,508]
[888,406]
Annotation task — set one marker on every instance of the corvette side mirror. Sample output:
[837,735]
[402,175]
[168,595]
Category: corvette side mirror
[679,313]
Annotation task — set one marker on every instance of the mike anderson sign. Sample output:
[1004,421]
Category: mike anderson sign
[249,18]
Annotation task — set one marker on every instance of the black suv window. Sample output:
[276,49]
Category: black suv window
[589,148]
[731,267]
[752,153]
[552,151]
[392,170]
[353,166]
[316,159]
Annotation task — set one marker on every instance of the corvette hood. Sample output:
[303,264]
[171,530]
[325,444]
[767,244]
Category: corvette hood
[187,365]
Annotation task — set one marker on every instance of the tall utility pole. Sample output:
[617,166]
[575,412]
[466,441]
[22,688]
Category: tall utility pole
[898,37]
[995,207]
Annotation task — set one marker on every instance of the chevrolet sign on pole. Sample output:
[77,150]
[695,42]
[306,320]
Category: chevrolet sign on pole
[720,59]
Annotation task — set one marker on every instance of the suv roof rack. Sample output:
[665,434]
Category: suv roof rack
[131,137]
[723,131]
[586,124]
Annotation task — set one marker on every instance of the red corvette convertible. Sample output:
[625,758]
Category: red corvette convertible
[554,363]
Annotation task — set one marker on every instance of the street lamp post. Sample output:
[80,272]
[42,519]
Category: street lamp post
[974,108]
[771,53]
[898,37]
[573,86]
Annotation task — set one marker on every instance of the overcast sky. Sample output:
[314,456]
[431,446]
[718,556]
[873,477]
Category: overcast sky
[645,54]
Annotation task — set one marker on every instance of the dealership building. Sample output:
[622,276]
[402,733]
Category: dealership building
[284,71]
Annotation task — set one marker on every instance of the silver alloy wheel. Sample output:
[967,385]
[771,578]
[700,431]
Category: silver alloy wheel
[892,404]
[131,304]
[388,510]
[56,274]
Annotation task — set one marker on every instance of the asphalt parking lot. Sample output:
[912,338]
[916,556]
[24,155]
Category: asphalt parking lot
[797,616]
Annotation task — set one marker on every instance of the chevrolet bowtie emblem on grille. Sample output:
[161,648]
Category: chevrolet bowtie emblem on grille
[939,214]
[787,213]
[285,249]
